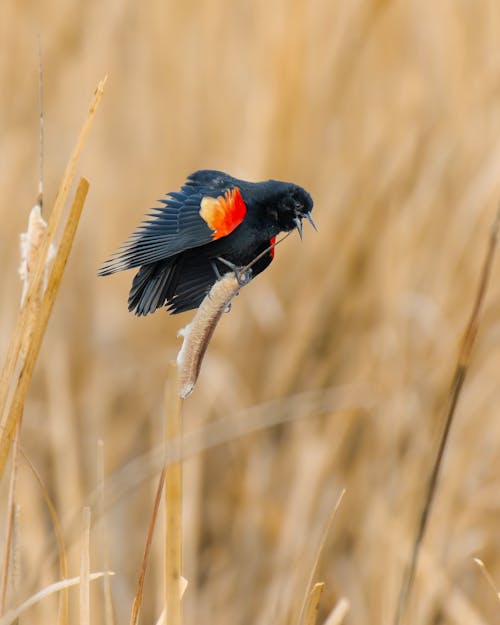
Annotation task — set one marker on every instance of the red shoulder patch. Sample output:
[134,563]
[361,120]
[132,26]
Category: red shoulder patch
[272,242]
[222,214]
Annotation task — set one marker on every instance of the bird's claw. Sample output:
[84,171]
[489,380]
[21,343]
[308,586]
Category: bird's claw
[216,270]
[243,277]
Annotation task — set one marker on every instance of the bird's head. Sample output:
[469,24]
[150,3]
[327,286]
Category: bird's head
[293,205]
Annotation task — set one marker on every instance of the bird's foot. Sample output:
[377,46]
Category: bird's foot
[243,277]
[216,270]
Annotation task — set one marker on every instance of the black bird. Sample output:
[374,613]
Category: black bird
[213,222]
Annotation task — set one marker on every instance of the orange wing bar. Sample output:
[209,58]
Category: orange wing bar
[222,214]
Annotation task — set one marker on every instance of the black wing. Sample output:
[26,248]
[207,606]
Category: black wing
[180,282]
[168,230]
[189,218]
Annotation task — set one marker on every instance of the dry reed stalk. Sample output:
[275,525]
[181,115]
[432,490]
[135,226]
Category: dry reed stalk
[17,546]
[312,604]
[33,318]
[338,613]
[183,586]
[30,242]
[173,500]
[109,616]
[63,561]
[85,570]
[37,320]
[12,615]
[9,523]
[487,577]
[136,606]
[450,599]
[461,368]
[321,546]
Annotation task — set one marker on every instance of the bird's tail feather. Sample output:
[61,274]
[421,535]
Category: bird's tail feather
[180,283]
[153,286]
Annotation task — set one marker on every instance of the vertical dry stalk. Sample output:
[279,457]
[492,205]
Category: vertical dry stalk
[319,551]
[16,566]
[85,570]
[183,586]
[63,561]
[9,525]
[109,617]
[30,319]
[173,500]
[312,604]
[459,375]
[487,576]
[338,613]
[136,606]
[37,320]
[30,241]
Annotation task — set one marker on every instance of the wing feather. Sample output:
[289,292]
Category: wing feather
[180,283]
[177,226]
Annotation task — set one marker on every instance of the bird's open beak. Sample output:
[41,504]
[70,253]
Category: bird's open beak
[298,223]
[311,221]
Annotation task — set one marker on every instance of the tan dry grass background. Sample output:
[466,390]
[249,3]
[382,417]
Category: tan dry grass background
[389,114]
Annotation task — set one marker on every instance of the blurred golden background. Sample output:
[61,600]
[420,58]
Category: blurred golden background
[333,368]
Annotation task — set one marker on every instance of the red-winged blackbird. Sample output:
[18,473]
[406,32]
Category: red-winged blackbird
[215,220]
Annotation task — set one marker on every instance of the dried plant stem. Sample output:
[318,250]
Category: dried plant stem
[312,604]
[173,501]
[461,368]
[30,314]
[136,606]
[12,615]
[41,127]
[63,562]
[85,570]
[10,522]
[487,577]
[34,322]
[109,617]
[321,546]
[338,613]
